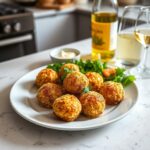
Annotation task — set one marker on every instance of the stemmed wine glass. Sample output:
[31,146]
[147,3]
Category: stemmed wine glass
[142,35]
[129,50]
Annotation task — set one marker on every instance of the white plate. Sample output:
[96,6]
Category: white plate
[23,101]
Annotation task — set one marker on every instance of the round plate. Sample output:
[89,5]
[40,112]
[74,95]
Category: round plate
[23,101]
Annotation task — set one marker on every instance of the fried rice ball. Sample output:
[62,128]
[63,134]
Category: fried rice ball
[95,80]
[71,67]
[113,92]
[67,107]
[47,94]
[75,82]
[93,104]
[45,76]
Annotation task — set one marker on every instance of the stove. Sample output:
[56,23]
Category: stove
[16,31]
[10,9]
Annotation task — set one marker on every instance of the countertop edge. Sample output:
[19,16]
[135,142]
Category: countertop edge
[41,13]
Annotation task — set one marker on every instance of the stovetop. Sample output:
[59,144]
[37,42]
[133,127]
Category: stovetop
[14,20]
[10,9]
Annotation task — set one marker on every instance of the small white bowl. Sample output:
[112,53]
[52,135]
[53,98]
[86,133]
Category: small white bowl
[55,55]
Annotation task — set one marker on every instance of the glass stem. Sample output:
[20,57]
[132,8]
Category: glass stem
[145,58]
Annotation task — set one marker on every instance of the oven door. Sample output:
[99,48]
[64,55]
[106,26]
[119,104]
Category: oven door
[16,46]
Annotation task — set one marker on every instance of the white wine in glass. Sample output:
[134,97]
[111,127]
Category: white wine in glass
[142,35]
[129,50]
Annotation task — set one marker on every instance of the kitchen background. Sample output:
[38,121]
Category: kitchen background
[39,29]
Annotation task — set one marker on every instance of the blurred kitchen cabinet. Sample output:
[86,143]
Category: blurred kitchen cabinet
[55,30]
[83,26]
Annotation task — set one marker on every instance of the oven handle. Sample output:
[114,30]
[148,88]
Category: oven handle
[16,40]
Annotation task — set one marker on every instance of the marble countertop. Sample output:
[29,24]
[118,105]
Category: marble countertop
[130,133]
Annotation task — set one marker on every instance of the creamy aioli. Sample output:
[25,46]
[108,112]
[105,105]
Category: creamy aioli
[67,54]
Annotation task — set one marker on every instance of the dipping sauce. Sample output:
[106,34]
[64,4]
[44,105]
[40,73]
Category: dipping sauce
[66,54]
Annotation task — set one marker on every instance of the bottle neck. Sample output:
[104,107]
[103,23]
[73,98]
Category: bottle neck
[105,6]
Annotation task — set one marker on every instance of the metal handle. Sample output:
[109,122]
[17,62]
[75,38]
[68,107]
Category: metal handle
[16,40]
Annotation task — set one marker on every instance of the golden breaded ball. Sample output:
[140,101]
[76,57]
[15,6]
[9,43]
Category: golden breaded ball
[45,76]
[67,107]
[71,67]
[93,104]
[113,92]
[75,82]
[47,94]
[95,80]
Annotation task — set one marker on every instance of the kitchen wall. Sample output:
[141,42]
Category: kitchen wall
[146,2]
[5,0]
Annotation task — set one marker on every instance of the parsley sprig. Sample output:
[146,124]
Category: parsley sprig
[66,72]
[121,77]
[96,66]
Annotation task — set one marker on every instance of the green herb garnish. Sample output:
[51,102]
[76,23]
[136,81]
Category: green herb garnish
[121,77]
[66,72]
[55,66]
[127,80]
[86,90]
[96,66]
[91,66]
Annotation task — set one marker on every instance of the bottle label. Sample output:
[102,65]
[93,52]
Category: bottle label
[104,35]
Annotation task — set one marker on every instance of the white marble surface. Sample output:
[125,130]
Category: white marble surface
[130,133]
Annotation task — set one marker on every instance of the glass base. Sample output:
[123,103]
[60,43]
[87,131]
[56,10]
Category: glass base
[127,63]
[140,73]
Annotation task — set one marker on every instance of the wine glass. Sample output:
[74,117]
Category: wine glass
[142,35]
[129,50]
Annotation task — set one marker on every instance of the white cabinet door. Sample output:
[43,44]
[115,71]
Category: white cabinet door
[55,30]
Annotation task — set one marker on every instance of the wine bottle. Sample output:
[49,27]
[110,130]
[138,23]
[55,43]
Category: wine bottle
[104,24]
